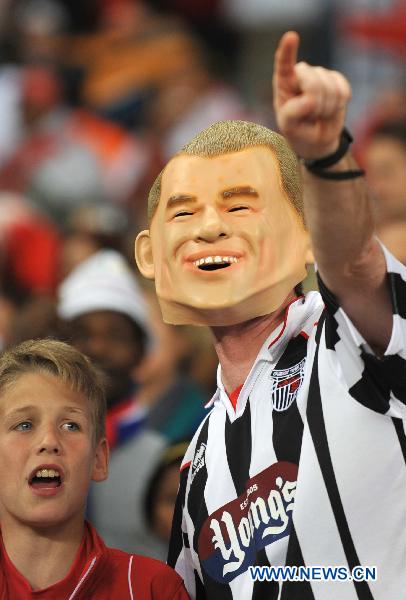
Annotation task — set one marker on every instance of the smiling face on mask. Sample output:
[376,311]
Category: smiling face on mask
[225,244]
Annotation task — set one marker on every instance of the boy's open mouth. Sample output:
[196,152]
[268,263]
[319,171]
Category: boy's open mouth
[45,478]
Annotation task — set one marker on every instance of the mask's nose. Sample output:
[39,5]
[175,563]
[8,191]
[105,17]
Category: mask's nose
[211,225]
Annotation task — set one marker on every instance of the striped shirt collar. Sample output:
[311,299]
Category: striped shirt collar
[297,314]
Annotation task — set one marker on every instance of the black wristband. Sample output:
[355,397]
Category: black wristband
[338,175]
[318,166]
[330,160]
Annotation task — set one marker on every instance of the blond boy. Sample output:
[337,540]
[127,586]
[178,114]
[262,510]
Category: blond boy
[52,445]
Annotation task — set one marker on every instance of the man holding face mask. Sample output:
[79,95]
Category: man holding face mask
[301,461]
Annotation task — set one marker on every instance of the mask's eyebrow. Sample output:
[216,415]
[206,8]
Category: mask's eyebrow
[240,191]
[179,199]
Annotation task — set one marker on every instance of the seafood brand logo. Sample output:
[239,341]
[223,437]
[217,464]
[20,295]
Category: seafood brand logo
[231,536]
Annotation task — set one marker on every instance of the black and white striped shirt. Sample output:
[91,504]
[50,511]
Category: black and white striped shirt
[309,469]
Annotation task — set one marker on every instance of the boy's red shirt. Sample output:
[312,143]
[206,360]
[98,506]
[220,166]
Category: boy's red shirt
[99,573]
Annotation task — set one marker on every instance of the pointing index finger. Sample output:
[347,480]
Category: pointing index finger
[286,54]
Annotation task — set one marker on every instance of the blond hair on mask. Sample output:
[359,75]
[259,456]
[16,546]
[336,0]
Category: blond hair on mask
[225,137]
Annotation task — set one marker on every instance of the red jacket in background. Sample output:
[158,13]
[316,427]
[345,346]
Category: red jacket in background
[32,253]
[98,573]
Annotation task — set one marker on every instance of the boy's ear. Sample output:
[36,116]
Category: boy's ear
[101,461]
[143,254]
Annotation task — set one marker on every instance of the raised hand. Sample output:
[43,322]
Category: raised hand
[309,102]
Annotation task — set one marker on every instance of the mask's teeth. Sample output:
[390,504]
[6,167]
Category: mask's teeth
[209,260]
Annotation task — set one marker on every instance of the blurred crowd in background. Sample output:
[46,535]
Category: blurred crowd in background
[95,96]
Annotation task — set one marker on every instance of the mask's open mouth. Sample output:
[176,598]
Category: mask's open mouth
[214,267]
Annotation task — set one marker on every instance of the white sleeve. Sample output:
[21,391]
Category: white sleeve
[377,382]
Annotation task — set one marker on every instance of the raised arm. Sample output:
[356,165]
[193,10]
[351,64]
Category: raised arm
[310,104]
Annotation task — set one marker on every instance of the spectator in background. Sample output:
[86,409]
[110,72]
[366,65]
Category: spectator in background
[128,53]
[191,101]
[205,19]
[30,245]
[35,26]
[178,376]
[162,490]
[29,249]
[104,316]
[10,124]
[68,155]
[90,228]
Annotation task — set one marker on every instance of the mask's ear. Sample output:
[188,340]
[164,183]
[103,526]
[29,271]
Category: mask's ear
[309,256]
[308,250]
[143,254]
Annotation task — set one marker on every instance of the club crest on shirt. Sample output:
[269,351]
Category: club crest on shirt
[285,384]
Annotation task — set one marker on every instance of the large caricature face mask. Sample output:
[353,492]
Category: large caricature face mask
[225,244]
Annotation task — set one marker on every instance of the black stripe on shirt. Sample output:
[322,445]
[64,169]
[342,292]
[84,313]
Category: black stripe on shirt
[287,434]
[177,540]
[238,447]
[319,436]
[287,424]
[398,423]
[264,590]
[294,352]
[372,389]
[211,589]
[200,591]
[398,289]
[295,590]
[394,370]
[332,306]
[379,377]
[196,504]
